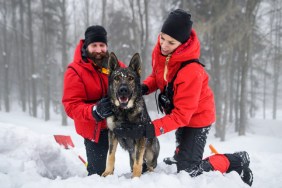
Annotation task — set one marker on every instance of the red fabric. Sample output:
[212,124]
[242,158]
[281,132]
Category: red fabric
[84,85]
[219,162]
[193,99]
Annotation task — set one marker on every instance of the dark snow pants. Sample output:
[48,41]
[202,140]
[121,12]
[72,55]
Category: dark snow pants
[97,154]
[189,152]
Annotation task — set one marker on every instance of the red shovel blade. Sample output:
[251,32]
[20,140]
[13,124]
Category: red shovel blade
[64,141]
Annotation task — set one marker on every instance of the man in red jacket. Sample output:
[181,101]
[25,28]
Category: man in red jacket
[84,96]
[187,100]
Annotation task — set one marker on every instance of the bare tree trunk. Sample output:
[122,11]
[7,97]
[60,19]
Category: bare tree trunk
[277,61]
[227,99]
[142,35]
[16,42]
[264,91]
[46,65]
[253,92]
[1,70]
[86,11]
[265,66]
[6,60]
[104,12]
[184,4]
[23,79]
[74,20]
[231,86]
[32,65]
[137,38]
[217,81]
[146,56]
[243,94]
[247,50]
[63,22]
[237,98]
[144,40]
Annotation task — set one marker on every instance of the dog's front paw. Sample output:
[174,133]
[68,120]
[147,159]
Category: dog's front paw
[107,172]
[150,169]
[136,172]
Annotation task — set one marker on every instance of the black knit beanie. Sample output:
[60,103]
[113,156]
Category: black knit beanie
[178,25]
[95,33]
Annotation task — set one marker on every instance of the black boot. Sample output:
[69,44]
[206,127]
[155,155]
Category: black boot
[239,162]
[245,158]
[179,139]
[196,170]
[247,176]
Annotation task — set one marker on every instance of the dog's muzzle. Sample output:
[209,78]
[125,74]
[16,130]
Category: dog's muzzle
[123,96]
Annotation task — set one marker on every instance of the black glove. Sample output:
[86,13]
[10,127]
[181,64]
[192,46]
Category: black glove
[144,89]
[102,109]
[135,131]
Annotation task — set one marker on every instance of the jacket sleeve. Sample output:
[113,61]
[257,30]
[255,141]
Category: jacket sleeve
[187,90]
[150,81]
[121,64]
[74,97]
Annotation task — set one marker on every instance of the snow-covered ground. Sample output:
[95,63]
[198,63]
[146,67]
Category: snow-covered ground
[30,157]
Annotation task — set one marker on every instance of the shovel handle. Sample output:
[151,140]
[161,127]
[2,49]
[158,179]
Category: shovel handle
[79,156]
[82,160]
[213,150]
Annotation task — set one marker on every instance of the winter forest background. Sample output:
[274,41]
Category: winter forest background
[240,45]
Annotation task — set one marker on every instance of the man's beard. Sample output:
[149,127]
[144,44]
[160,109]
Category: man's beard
[97,58]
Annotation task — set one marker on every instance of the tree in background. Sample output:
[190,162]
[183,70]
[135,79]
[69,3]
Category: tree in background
[62,17]
[5,55]
[277,55]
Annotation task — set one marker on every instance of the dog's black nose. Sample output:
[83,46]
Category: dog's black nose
[123,90]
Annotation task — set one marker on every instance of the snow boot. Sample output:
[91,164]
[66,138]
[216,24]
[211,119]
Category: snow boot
[247,176]
[239,162]
[197,170]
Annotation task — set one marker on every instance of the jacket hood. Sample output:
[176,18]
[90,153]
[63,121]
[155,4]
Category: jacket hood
[186,51]
[77,59]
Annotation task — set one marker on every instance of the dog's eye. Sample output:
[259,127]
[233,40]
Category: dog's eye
[130,78]
[117,78]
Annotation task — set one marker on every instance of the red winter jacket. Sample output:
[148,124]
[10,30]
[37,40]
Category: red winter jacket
[193,99]
[84,85]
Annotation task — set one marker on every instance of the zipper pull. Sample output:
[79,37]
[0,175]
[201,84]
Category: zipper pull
[167,58]
[166,63]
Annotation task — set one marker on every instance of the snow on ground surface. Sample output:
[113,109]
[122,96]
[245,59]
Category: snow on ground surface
[30,157]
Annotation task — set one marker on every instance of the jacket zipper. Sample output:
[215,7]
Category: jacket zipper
[166,66]
[101,80]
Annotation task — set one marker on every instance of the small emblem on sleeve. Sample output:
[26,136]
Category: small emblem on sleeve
[162,130]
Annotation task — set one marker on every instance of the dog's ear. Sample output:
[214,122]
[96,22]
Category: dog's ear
[135,64]
[113,62]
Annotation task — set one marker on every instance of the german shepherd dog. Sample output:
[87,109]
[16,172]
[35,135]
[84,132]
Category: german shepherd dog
[129,105]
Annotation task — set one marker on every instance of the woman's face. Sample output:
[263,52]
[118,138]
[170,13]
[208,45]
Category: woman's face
[168,44]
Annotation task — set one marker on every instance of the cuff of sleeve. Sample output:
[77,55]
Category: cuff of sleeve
[95,114]
[91,112]
[159,130]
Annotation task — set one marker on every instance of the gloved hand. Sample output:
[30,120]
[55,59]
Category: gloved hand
[102,109]
[135,131]
[144,89]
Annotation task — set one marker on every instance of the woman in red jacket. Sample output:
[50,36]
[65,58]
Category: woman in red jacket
[187,100]
[84,96]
